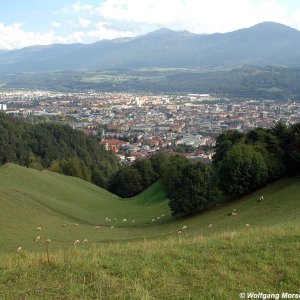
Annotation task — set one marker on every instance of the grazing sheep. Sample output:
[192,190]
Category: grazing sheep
[106,219]
[157,218]
[247,225]
[115,219]
[38,228]
[76,242]
[261,198]
[97,227]
[37,238]
[153,220]
[48,241]
[163,215]
[85,241]
[76,225]
[233,213]
[64,225]
[184,228]
[112,227]
[179,232]
[210,226]
[124,220]
[19,249]
[133,221]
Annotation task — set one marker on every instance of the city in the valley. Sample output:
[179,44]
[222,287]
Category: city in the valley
[135,125]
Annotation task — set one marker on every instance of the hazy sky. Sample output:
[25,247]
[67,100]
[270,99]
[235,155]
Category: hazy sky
[31,22]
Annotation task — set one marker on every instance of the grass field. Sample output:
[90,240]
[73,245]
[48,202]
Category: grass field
[31,198]
[145,259]
[220,266]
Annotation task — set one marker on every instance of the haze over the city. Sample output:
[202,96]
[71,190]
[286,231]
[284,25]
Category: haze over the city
[39,22]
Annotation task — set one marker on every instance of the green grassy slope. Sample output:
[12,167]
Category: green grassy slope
[220,266]
[31,198]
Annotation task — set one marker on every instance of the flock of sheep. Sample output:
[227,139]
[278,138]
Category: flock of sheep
[85,241]
[234,212]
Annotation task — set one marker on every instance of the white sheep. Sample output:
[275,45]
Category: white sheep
[38,228]
[153,220]
[37,238]
[247,225]
[210,226]
[85,241]
[112,227]
[179,232]
[97,227]
[261,198]
[124,220]
[133,221]
[76,225]
[157,218]
[48,241]
[19,249]
[184,228]
[76,242]
[115,219]
[64,225]
[163,215]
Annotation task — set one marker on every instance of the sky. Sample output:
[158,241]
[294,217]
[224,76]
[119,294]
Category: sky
[43,22]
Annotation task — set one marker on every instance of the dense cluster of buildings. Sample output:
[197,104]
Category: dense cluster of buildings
[137,125]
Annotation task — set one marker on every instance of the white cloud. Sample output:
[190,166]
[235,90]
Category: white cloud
[294,19]
[199,16]
[84,22]
[56,25]
[79,7]
[102,32]
[13,36]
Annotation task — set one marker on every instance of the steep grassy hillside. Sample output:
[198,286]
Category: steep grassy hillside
[31,198]
[220,266]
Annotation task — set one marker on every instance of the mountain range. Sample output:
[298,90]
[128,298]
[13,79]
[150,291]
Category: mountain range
[264,44]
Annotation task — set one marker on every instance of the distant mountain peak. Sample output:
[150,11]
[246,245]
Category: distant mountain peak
[162,30]
[268,25]
[166,31]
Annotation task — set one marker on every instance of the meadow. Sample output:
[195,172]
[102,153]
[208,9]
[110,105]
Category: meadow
[217,257]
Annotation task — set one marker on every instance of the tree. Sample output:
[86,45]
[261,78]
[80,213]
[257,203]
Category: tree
[195,190]
[75,167]
[293,150]
[127,182]
[159,161]
[242,170]
[224,143]
[172,171]
[145,169]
